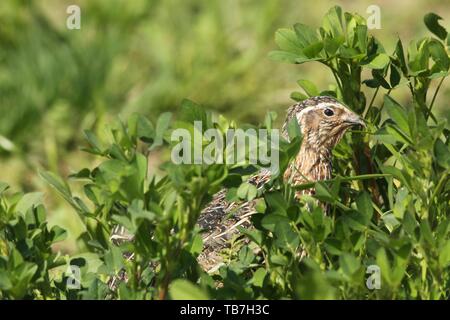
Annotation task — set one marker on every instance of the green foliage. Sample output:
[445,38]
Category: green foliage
[414,203]
[26,256]
[142,56]
[389,206]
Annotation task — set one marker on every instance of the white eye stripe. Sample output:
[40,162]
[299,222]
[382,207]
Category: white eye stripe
[304,111]
[322,106]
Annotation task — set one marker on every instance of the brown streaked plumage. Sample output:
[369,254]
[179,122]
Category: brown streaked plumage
[323,122]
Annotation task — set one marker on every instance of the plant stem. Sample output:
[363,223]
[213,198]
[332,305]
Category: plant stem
[439,186]
[334,71]
[371,103]
[434,98]
[381,108]
[337,81]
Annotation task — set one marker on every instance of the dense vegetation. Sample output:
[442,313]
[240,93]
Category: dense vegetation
[390,203]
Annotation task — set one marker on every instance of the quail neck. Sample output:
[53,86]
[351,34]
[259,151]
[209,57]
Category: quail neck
[323,122]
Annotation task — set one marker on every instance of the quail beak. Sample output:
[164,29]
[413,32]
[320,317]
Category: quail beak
[354,120]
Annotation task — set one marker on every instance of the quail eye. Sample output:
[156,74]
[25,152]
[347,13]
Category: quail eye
[328,112]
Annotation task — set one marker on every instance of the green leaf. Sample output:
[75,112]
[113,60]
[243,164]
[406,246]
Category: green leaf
[58,234]
[380,61]
[276,201]
[3,187]
[332,44]
[439,56]
[397,113]
[294,129]
[269,222]
[23,273]
[145,129]
[305,34]
[247,191]
[134,184]
[314,285]
[394,134]
[402,200]
[246,255]
[383,263]
[298,96]
[196,245]
[332,22]
[323,193]
[30,200]
[361,38]
[59,185]
[444,255]
[442,154]
[114,260]
[287,40]
[260,206]
[124,221]
[279,259]
[84,173]
[390,221]
[181,289]
[409,224]
[349,264]
[137,211]
[162,125]
[258,277]
[93,141]
[394,77]
[400,54]
[192,111]
[333,246]
[5,282]
[426,232]
[431,21]
[311,52]
[284,56]
[286,238]
[254,235]
[418,55]
[364,204]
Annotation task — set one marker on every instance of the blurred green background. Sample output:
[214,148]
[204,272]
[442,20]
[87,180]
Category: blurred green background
[146,56]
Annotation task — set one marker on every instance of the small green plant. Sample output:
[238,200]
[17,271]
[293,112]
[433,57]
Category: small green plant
[26,255]
[389,205]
